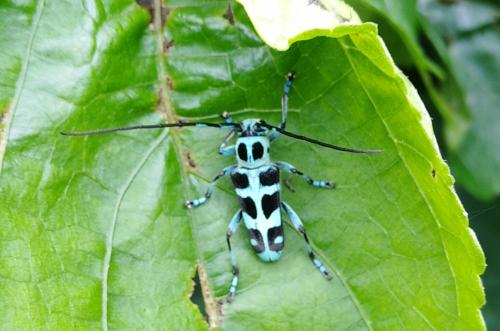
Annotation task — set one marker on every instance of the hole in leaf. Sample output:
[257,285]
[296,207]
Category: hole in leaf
[145,3]
[197,296]
[149,5]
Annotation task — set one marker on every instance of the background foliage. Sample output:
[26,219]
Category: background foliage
[450,51]
[76,242]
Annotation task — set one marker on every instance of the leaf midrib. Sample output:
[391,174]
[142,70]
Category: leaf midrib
[167,110]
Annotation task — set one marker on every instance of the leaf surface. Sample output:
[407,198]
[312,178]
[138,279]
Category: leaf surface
[96,235]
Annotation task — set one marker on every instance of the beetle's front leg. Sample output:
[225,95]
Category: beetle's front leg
[227,150]
[291,169]
[195,203]
[284,105]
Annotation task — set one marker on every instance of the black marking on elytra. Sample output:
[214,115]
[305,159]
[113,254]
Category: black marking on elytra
[239,180]
[270,203]
[257,236]
[248,206]
[269,177]
[242,152]
[272,233]
[257,150]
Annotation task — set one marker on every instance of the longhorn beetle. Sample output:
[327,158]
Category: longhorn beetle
[256,180]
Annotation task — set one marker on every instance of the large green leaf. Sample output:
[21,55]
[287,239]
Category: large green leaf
[94,232]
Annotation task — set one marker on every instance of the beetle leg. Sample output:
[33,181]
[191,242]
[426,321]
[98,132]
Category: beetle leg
[284,104]
[233,226]
[197,202]
[227,150]
[297,223]
[316,183]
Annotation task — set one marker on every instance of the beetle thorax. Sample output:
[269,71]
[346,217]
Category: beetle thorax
[252,152]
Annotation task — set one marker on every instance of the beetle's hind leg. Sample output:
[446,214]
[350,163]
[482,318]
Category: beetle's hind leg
[297,223]
[233,226]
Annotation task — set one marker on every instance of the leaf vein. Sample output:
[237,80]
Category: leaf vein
[112,228]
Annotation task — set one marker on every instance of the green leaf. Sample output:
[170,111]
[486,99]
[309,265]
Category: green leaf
[95,232]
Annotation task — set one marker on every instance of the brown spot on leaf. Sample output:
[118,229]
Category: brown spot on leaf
[190,160]
[167,45]
[170,84]
[229,14]
[164,14]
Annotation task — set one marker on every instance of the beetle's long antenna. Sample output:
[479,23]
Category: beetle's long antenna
[317,142]
[154,126]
